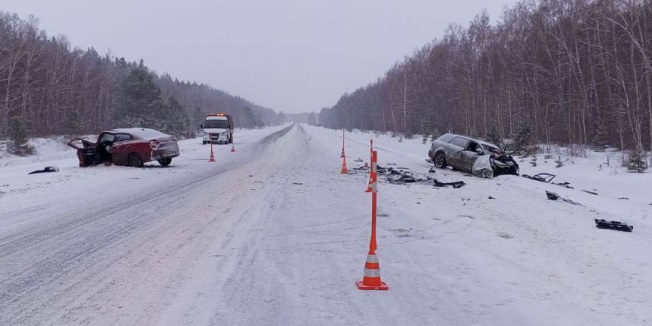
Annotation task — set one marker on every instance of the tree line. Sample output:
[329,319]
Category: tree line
[47,88]
[571,71]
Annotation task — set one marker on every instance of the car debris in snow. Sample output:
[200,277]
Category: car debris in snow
[541,177]
[613,225]
[47,169]
[403,175]
[456,184]
[553,196]
[359,169]
[590,192]
[389,171]
[402,178]
[547,178]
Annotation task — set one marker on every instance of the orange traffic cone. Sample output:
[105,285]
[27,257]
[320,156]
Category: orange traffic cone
[344,169]
[371,279]
[342,155]
[212,159]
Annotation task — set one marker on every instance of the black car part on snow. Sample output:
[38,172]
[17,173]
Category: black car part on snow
[553,196]
[547,178]
[613,225]
[456,184]
[46,170]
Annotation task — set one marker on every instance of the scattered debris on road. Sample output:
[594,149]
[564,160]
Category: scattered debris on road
[541,177]
[403,178]
[553,196]
[590,192]
[456,184]
[504,235]
[613,225]
[402,175]
[47,169]
[547,178]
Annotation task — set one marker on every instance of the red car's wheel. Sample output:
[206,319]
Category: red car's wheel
[135,160]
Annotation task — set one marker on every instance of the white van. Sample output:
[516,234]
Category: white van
[217,129]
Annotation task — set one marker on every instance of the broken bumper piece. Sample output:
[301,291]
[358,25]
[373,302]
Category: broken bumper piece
[613,225]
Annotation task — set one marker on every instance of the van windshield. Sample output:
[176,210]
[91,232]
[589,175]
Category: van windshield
[221,124]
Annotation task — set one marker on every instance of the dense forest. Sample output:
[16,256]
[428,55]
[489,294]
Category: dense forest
[47,88]
[569,71]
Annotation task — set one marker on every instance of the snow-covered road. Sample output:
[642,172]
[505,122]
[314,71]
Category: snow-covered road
[274,235]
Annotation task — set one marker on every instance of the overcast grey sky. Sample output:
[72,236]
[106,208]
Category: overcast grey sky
[288,55]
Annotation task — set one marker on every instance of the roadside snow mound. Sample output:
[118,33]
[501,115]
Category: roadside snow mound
[45,149]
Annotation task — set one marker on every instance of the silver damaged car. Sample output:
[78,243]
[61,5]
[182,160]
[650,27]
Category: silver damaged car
[461,152]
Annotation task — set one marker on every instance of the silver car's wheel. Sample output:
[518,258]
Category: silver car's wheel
[440,160]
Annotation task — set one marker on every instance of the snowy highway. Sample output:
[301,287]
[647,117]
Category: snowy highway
[273,235]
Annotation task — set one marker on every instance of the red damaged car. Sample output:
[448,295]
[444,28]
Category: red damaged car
[128,146]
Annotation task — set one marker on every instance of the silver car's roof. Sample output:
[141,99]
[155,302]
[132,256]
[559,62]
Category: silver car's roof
[481,142]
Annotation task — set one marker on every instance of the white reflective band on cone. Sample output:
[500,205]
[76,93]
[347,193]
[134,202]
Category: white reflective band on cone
[373,167]
[371,272]
[372,259]
[373,187]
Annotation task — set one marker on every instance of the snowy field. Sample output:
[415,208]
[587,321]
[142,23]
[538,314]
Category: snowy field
[273,234]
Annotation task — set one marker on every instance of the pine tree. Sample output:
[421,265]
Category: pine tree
[72,124]
[435,134]
[197,118]
[493,136]
[140,103]
[600,137]
[250,119]
[174,121]
[280,118]
[524,139]
[312,119]
[18,139]
[637,161]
